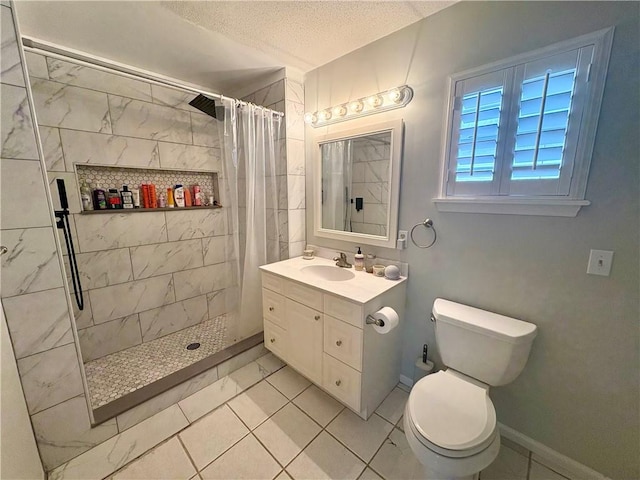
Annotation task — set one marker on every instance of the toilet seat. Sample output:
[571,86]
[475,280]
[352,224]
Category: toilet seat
[451,416]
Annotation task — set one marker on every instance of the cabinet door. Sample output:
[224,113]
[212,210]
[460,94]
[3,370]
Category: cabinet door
[304,328]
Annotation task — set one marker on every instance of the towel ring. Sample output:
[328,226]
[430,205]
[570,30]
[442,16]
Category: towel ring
[428,223]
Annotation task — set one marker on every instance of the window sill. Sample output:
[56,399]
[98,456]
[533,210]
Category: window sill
[511,206]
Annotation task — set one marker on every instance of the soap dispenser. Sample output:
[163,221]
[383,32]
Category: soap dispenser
[359,260]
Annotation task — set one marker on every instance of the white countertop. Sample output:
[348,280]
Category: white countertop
[362,288]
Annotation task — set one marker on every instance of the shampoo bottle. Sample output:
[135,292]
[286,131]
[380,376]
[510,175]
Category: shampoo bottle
[359,260]
[127,197]
[197,196]
[178,195]
[170,198]
[136,197]
[85,196]
[100,198]
[187,197]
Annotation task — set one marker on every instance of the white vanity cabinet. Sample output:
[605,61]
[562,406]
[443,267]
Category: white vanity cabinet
[322,334]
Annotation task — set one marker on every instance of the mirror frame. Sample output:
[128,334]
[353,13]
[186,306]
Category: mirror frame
[396,128]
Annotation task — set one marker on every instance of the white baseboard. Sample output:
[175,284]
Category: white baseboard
[406,381]
[550,458]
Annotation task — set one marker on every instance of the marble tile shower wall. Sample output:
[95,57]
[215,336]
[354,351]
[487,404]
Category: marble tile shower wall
[370,180]
[33,295]
[287,95]
[144,275]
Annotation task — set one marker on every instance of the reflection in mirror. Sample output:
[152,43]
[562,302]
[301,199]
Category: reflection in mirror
[355,184]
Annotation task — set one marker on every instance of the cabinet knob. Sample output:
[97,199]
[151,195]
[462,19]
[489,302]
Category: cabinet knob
[339,342]
[273,340]
[338,382]
[3,249]
[271,309]
[317,317]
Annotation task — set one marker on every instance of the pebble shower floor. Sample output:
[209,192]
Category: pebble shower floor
[120,373]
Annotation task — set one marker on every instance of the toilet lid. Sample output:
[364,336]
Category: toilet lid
[451,412]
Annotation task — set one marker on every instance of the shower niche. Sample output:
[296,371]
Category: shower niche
[110,177]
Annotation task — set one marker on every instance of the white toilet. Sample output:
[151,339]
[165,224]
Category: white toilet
[449,420]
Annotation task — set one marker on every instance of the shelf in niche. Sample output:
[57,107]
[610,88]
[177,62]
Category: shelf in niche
[110,176]
[147,210]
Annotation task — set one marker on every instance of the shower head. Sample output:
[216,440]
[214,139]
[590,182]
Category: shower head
[205,105]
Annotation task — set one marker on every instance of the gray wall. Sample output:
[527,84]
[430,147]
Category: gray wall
[579,392]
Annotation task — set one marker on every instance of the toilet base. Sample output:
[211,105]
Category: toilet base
[439,467]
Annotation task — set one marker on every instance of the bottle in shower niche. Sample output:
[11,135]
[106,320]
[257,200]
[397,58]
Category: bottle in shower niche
[197,196]
[114,201]
[187,197]
[153,196]
[85,197]
[127,197]
[170,203]
[135,193]
[99,198]
[178,195]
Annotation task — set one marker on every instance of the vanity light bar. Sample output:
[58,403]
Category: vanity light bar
[397,97]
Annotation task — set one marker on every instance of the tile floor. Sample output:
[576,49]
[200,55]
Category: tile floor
[283,427]
[120,373]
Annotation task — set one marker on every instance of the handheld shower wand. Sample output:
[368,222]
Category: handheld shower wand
[62,222]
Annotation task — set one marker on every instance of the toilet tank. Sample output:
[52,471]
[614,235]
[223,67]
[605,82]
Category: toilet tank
[487,346]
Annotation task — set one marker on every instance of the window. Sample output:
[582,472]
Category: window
[521,131]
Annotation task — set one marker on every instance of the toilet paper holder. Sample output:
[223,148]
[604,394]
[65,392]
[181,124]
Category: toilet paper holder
[374,321]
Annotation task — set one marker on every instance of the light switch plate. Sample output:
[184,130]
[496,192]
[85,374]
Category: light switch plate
[600,262]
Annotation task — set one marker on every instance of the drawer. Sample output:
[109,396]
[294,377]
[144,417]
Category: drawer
[343,309]
[275,339]
[343,341]
[302,294]
[273,282]
[341,381]
[273,308]
[296,312]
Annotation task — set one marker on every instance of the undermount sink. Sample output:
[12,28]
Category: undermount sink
[328,272]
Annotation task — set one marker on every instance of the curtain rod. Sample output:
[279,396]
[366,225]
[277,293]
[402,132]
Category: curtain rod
[100,63]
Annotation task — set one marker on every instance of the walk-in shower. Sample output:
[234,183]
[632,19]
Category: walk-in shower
[168,293]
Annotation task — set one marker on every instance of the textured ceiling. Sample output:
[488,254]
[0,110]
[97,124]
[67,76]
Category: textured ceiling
[305,34]
[223,46]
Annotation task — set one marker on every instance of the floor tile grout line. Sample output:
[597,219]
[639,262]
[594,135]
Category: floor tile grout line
[380,448]
[227,449]
[302,450]
[268,451]
[184,447]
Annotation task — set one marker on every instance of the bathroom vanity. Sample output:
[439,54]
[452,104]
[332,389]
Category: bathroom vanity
[315,320]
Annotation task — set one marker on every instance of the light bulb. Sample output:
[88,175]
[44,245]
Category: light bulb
[395,95]
[356,107]
[310,118]
[374,101]
[325,115]
[340,111]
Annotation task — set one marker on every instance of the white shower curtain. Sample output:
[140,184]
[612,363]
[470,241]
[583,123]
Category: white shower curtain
[251,150]
[336,185]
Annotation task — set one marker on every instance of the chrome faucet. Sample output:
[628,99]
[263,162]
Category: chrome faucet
[341,261]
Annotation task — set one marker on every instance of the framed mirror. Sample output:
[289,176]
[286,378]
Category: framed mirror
[357,182]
